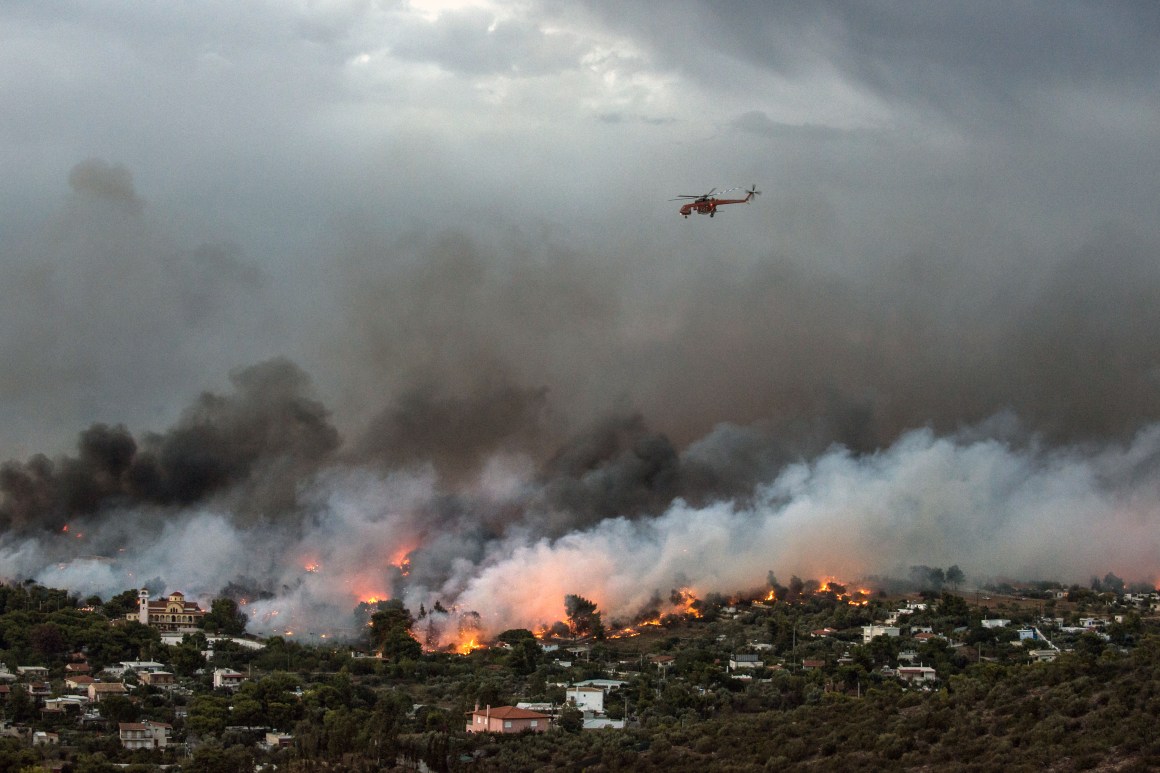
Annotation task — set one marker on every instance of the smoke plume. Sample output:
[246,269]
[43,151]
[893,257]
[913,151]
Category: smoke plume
[514,424]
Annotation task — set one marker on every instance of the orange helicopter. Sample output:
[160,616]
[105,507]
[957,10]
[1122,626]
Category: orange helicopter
[707,203]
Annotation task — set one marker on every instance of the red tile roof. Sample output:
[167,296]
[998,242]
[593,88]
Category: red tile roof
[509,712]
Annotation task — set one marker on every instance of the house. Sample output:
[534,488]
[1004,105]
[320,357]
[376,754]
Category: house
[917,674]
[813,665]
[101,690]
[601,723]
[506,719]
[79,683]
[65,703]
[141,666]
[278,741]
[144,735]
[869,632]
[744,660]
[42,738]
[227,678]
[77,668]
[32,672]
[586,698]
[162,679]
[551,709]
[995,623]
[173,613]
[603,684]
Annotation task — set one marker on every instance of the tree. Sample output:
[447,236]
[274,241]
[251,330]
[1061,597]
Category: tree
[390,631]
[512,636]
[120,605]
[571,719]
[224,616]
[953,606]
[20,707]
[214,759]
[47,639]
[118,708]
[1113,584]
[583,619]
[186,657]
[955,576]
[208,715]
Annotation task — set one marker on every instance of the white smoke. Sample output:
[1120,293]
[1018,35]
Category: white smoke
[992,507]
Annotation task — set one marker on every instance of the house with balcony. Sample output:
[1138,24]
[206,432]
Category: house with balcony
[144,735]
[227,678]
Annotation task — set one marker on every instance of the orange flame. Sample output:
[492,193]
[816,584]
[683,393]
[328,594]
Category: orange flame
[468,646]
[685,599]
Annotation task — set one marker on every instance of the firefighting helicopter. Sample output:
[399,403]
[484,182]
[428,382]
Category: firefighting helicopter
[707,203]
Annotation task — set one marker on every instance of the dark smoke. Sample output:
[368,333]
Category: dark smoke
[256,444]
[456,435]
[98,179]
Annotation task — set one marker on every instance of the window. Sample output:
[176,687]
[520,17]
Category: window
[535,723]
[507,723]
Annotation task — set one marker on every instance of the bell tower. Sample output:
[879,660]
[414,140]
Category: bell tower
[143,606]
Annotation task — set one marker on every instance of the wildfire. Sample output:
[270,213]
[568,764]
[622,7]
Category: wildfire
[468,646]
[312,568]
[858,597]
[686,601]
[401,559]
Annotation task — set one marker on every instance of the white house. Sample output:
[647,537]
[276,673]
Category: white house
[140,666]
[917,674]
[995,623]
[744,660]
[227,678]
[869,632]
[586,698]
[604,684]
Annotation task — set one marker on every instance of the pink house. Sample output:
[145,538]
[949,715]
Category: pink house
[506,719]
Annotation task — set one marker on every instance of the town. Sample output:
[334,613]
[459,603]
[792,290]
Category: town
[814,674]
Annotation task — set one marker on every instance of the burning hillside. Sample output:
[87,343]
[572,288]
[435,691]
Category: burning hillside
[253,491]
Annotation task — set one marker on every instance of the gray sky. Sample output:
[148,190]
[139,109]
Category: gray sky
[391,194]
[454,220]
